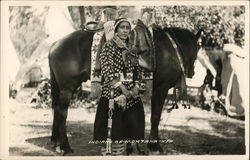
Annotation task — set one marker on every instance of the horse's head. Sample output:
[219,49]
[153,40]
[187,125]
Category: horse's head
[142,43]
[190,71]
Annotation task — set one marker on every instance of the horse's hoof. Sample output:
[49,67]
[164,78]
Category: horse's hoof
[184,106]
[67,151]
[55,146]
[143,153]
[155,149]
[169,109]
[129,149]
[175,106]
[58,150]
[135,149]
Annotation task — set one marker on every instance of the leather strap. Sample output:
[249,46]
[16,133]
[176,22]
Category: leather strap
[177,52]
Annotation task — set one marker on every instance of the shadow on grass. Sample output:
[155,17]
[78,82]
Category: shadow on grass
[80,133]
[225,138]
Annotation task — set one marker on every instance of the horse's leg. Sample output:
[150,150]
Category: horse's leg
[185,101]
[55,100]
[182,90]
[175,106]
[62,111]
[184,97]
[55,130]
[169,109]
[158,98]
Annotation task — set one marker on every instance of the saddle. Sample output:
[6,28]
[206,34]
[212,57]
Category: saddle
[145,43]
[92,26]
[98,41]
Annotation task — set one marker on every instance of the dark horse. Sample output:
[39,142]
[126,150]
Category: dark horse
[168,71]
[70,59]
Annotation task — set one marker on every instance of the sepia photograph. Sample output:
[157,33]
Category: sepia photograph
[133,79]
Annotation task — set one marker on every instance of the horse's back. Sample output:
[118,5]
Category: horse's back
[70,43]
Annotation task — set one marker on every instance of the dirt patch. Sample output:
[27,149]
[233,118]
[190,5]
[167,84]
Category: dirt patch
[192,132]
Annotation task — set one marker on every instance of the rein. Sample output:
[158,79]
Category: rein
[177,52]
[183,81]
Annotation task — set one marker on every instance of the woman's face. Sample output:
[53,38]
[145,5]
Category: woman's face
[123,30]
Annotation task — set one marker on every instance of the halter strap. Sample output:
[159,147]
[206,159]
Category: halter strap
[176,51]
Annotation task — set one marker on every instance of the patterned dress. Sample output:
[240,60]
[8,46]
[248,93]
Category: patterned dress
[113,67]
[129,123]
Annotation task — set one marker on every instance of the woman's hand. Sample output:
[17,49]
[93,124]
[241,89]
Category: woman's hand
[121,101]
[126,92]
[134,92]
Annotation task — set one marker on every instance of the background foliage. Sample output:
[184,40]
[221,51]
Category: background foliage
[27,29]
[222,24]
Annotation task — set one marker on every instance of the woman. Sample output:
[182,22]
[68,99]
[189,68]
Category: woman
[120,113]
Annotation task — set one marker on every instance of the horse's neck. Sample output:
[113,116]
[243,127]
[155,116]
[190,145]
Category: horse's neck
[175,42]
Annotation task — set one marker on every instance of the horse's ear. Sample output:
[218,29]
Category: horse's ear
[199,33]
[140,22]
[132,37]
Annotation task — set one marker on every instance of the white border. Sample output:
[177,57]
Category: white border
[126,3]
[4,119]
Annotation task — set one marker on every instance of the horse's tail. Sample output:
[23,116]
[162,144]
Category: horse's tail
[53,83]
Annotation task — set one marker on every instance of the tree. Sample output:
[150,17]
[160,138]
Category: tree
[222,24]
[27,29]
